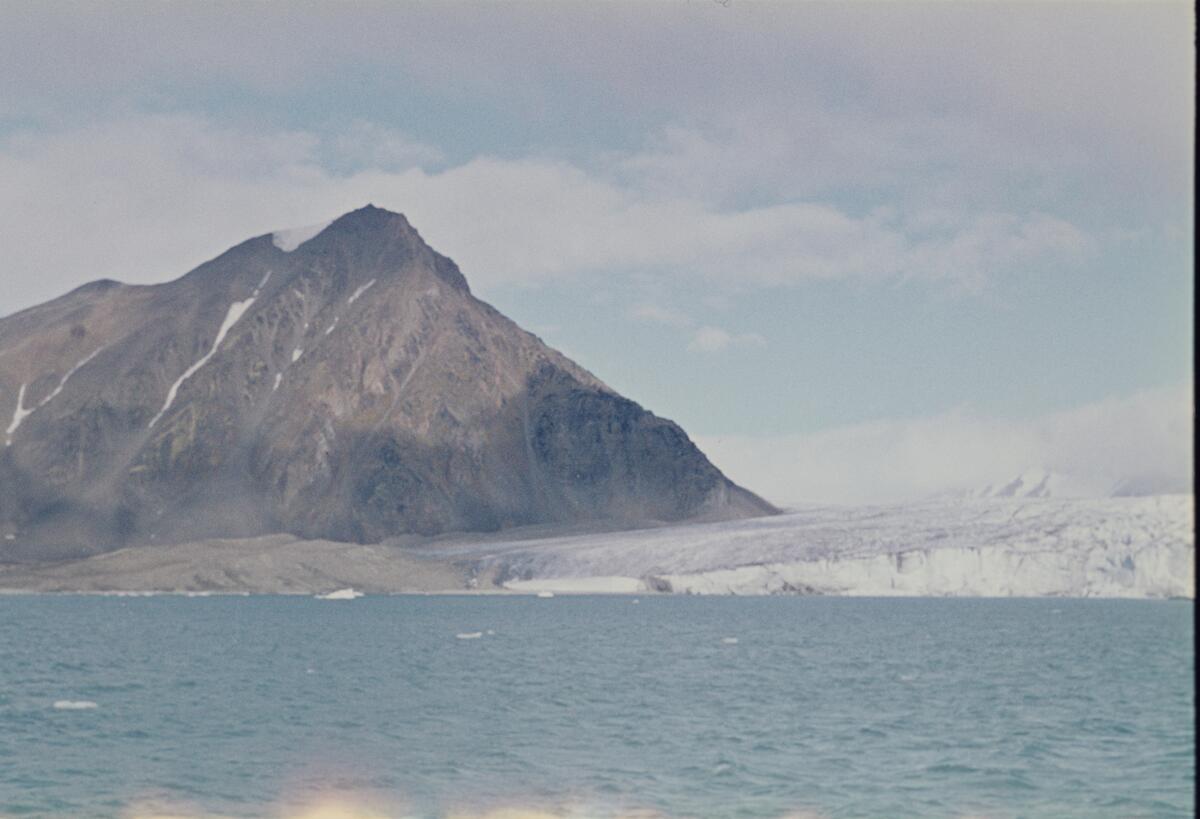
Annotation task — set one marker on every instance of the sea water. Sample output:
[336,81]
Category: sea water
[595,706]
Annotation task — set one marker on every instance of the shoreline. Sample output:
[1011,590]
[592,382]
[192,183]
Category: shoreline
[515,593]
[1112,548]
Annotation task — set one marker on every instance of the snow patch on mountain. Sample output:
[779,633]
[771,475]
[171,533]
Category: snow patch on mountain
[1076,547]
[235,312]
[291,238]
[19,415]
[63,381]
[353,298]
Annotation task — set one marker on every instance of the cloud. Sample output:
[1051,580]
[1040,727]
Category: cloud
[1141,442]
[654,314]
[997,108]
[363,144]
[710,339]
[704,339]
[146,197]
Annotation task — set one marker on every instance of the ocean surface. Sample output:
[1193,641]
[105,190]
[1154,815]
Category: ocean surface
[595,706]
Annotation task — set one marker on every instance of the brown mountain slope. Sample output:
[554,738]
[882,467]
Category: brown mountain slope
[351,388]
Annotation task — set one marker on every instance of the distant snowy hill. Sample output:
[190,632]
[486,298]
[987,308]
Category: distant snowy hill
[1037,482]
[995,546]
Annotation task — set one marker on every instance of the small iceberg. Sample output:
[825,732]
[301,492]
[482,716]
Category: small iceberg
[340,594]
[469,635]
[545,594]
[74,705]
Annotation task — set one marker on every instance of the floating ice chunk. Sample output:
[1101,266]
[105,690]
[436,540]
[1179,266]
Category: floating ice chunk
[235,312]
[545,594]
[296,353]
[74,705]
[353,298]
[729,641]
[19,415]
[469,635]
[290,239]
[341,594]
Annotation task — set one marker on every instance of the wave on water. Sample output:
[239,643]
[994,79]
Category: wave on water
[351,809]
[74,705]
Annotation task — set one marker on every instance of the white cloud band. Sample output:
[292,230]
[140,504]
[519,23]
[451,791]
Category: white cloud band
[1137,444]
[145,197]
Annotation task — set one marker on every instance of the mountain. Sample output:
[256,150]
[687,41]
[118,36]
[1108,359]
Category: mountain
[339,383]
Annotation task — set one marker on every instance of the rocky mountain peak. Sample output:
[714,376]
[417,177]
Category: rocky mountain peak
[370,225]
[371,242]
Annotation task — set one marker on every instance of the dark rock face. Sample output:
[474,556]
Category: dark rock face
[350,388]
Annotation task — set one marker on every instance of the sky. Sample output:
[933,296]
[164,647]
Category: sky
[860,252]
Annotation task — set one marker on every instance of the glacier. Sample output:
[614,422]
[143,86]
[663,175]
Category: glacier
[1140,547]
